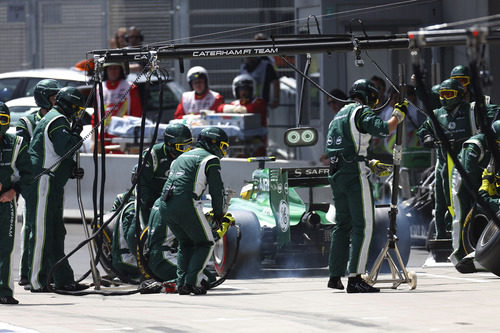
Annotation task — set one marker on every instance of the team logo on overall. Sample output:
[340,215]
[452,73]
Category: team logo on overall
[452,125]
[338,141]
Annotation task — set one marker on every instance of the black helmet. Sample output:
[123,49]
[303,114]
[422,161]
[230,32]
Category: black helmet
[451,94]
[461,74]
[71,101]
[4,118]
[243,81]
[214,140]
[44,90]
[177,138]
[366,91]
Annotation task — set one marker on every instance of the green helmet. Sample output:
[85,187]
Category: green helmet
[4,118]
[214,140]
[71,101]
[366,91]
[451,94]
[44,90]
[461,73]
[177,139]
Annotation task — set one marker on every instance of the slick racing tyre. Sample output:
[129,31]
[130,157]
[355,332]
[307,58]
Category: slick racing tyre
[488,248]
[247,261]
[472,231]
[379,238]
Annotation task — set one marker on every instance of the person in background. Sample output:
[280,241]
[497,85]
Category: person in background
[118,41]
[121,98]
[201,97]
[263,71]
[134,39]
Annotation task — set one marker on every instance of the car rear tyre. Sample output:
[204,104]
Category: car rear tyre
[247,261]
[472,231]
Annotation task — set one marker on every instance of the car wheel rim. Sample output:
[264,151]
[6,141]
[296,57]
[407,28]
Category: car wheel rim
[488,234]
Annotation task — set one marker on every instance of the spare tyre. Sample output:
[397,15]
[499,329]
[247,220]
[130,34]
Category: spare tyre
[379,239]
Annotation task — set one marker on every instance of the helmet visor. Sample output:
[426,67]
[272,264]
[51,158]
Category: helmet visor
[4,119]
[448,94]
[464,80]
[183,147]
[224,146]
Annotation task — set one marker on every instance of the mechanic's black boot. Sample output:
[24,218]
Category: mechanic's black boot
[23,281]
[192,290]
[184,290]
[335,283]
[466,265]
[74,286]
[8,300]
[357,285]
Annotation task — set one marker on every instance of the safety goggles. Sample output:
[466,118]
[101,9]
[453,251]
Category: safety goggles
[224,146]
[4,119]
[448,93]
[464,80]
[183,147]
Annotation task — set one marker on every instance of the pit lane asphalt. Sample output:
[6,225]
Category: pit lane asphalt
[279,300]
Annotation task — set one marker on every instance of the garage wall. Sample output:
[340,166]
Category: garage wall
[14,19]
[69,29]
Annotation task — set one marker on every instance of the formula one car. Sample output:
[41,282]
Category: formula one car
[285,218]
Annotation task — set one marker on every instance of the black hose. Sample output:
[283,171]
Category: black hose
[103,153]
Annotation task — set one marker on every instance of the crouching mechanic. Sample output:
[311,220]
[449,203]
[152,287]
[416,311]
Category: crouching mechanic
[182,207]
[44,93]
[161,250]
[53,138]
[177,139]
[474,157]
[347,144]
[15,178]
